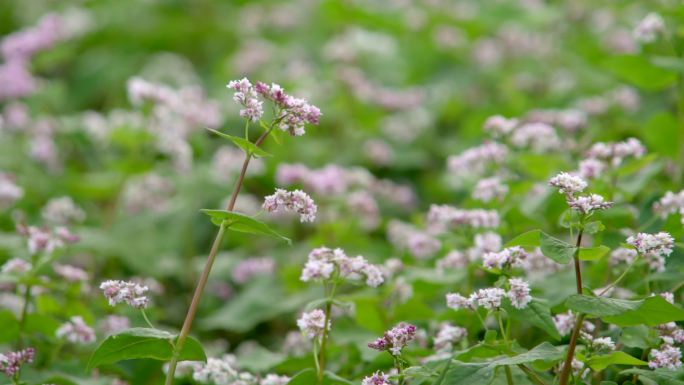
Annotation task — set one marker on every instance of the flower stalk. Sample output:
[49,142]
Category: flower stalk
[567,366]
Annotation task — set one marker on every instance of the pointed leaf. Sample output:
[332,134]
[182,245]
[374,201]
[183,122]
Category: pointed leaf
[242,223]
[601,362]
[654,311]
[600,306]
[146,343]
[538,314]
[593,253]
[528,239]
[560,251]
[244,144]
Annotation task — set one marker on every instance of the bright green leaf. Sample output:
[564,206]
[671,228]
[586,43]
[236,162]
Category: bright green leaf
[244,144]
[601,362]
[637,70]
[593,253]
[641,336]
[528,239]
[147,343]
[242,223]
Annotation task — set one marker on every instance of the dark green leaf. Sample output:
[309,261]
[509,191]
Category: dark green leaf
[654,311]
[560,251]
[143,343]
[641,336]
[600,306]
[537,313]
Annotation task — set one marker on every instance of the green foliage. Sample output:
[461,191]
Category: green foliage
[242,223]
[147,343]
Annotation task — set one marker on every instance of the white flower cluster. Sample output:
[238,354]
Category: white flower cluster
[488,189]
[323,262]
[9,191]
[622,255]
[221,371]
[571,186]
[440,216]
[613,153]
[540,137]
[71,273]
[246,95]
[565,322]
[649,27]
[509,257]
[378,378]
[657,245]
[491,298]
[294,201]
[475,160]
[667,356]
[313,323]
[670,203]
[498,125]
[62,211]
[448,335]
[588,203]
[16,266]
[405,236]
[76,331]
[130,293]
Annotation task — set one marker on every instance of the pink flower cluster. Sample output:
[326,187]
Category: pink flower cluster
[130,293]
[44,240]
[613,153]
[293,113]
[670,203]
[11,363]
[571,186]
[378,378]
[249,268]
[475,160]
[509,257]
[449,335]
[293,201]
[653,247]
[76,331]
[405,236]
[10,192]
[488,189]
[491,298]
[323,262]
[395,339]
[440,216]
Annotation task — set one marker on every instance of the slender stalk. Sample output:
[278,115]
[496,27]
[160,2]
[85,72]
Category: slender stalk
[531,375]
[507,369]
[147,320]
[202,283]
[565,373]
[624,273]
[24,315]
[324,340]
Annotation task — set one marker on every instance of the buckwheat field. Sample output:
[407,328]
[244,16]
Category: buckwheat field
[338,192]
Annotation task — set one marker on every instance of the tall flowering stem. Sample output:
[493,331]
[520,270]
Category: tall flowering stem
[567,366]
[330,295]
[202,283]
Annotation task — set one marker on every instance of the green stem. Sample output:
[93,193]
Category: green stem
[147,320]
[326,331]
[624,273]
[565,373]
[507,369]
[202,283]
[24,315]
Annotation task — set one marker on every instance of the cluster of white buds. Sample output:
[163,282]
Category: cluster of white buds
[448,335]
[670,203]
[130,293]
[313,323]
[293,201]
[514,256]
[76,331]
[440,216]
[491,298]
[324,262]
[395,339]
[571,185]
[653,247]
[475,160]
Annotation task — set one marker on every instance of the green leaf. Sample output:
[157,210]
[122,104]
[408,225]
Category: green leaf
[637,70]
[654,311]
[601,362]
[593,253]
[527,240]
[259,359]
[542,352]
[538,314]
[242,223]
[594,227]
[10,327]
[247,146]
[560,251]
[468,373]
[309,377]
[147,343]
[659,376]
[661,133]
[641,336]
[600,306]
